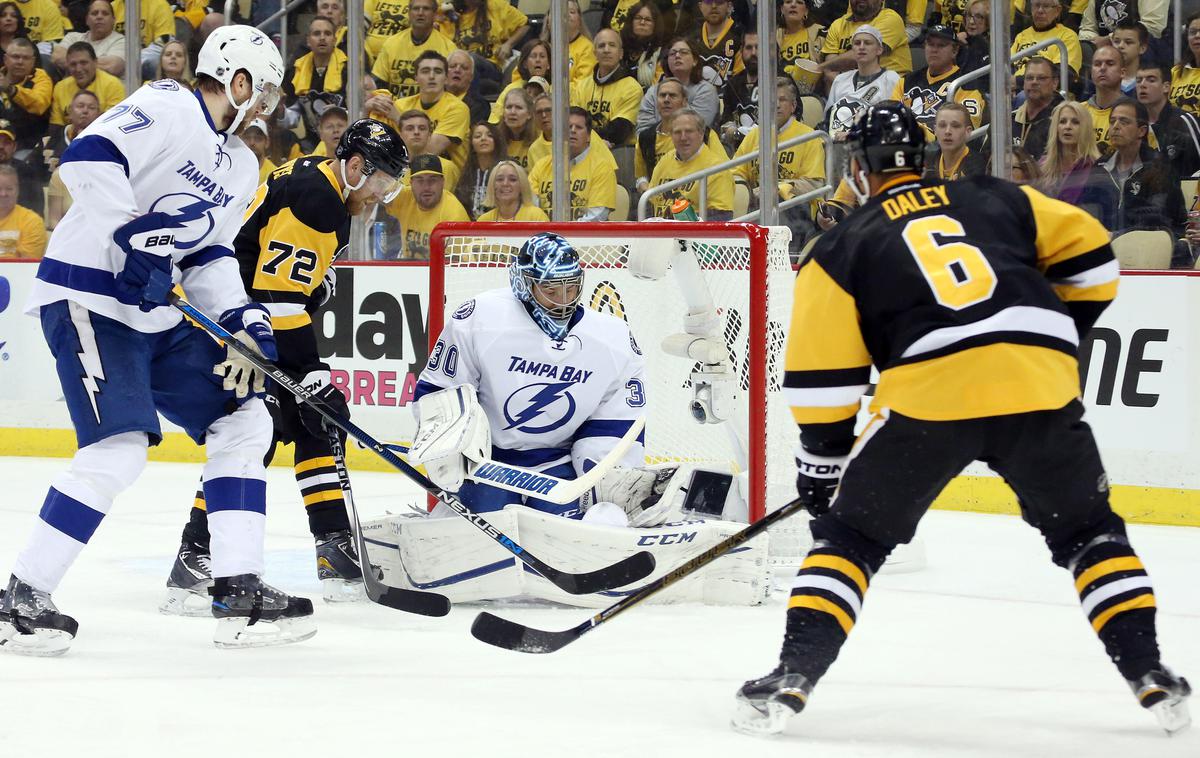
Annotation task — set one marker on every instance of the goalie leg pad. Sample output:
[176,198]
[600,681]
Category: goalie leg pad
[452,432]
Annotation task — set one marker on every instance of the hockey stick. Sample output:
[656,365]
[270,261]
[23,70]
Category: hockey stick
[630,569]
[513,636]
[413,601]
[545,486]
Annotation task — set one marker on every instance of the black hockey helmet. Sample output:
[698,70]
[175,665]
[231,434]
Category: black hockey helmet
[378,144]
[887,138]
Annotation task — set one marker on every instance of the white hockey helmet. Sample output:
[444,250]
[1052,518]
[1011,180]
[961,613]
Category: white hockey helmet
[234,48]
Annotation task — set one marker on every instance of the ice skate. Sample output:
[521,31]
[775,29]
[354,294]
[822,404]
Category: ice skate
[187,586]
[252,613]
[338,568]
[30,624]
[764,705]
[1165,695]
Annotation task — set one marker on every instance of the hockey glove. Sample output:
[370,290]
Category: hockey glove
[148,242]
[324,291]
[817,480]
[452,435]
[647,495]
[251,325]
[319,383]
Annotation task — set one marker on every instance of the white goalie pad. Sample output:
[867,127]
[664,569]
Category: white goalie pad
[651,259]
[445,555]
[452,432]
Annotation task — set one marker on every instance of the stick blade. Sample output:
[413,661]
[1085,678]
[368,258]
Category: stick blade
[623,572]
[412,601]
[510,635]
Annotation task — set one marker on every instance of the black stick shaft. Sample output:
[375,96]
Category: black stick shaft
[503,633]
[413,601]
[697,562]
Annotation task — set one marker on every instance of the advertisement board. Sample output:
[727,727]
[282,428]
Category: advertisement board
[1138,368]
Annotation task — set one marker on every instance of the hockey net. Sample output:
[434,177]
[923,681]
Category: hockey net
[749,275]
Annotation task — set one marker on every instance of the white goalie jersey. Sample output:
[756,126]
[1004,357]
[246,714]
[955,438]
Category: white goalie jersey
[547,402]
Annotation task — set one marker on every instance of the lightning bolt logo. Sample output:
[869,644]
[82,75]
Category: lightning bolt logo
[532,406]
[91,369]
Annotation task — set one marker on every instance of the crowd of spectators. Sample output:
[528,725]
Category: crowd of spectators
[659,89]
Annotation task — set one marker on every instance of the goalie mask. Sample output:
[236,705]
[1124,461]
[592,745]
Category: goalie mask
[547,277]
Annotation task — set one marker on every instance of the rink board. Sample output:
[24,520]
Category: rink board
[1140,368]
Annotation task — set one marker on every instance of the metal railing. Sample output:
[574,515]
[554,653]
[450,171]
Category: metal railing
[133,46]
[284,9]
[703,174]
[1064,72]
[1177,33]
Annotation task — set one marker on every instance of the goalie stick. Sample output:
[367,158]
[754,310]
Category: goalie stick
[413,601]
[510,635]
[547,487]
[541,485]
[624,571]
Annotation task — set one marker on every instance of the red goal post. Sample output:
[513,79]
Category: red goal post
[749,274]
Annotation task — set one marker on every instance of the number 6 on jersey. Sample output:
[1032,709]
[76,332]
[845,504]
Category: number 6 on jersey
[958,273]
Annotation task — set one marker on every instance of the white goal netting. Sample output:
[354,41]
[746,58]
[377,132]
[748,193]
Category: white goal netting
[750,277]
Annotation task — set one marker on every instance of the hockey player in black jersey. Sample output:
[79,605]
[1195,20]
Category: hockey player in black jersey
[296,226]
[970,297]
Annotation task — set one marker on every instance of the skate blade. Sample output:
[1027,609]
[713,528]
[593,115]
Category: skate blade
[181,602]
[343,591]
[1172,715]
[233,633]
[43,643]
[766,720]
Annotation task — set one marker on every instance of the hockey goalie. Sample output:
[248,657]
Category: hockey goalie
[526,379]
[526,376]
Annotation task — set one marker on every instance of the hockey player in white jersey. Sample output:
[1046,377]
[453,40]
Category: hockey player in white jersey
[552,387]
[159,184]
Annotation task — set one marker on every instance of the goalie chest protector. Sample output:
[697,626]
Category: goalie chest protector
[540,395]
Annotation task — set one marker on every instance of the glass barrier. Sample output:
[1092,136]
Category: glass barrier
[657,97]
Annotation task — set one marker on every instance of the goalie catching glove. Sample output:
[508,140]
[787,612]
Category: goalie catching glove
[647,495]
[817,479]
[452,435]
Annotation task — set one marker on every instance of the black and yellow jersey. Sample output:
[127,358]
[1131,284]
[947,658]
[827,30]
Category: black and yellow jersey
[722,52]
[953,13]
[969,297]
[1185,87]
[293,230]
[924,94]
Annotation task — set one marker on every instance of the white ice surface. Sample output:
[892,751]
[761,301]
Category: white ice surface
[984,653]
